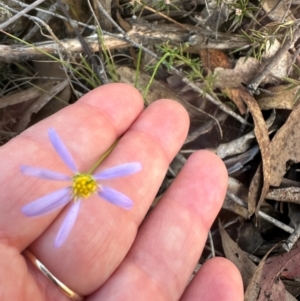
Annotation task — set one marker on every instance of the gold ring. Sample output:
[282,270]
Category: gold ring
[63,288]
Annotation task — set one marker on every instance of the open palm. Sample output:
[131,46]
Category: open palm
[111,253]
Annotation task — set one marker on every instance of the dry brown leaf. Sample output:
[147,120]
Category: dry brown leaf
[285,146]
[278,10]
[235,95]
[280,98]
[262,136]
[237,256]
[253,290]
[229,80]
[247,69]
[243,72]
[285,265]
[213,58]
[255,190]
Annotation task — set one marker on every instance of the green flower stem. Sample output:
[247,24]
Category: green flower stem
[103,157]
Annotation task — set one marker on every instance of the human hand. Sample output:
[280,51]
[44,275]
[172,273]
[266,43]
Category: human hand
[110,253]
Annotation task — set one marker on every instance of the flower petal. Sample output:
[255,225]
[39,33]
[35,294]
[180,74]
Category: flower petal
[43,173]
[115,197]
[67,224]
[48,203]
[119,171]
[62,150]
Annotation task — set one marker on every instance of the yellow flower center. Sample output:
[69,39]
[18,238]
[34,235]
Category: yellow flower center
[83,185]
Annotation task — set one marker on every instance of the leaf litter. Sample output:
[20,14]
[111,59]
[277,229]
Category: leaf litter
[224,62]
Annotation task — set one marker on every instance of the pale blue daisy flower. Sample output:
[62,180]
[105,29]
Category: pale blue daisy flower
[82,186]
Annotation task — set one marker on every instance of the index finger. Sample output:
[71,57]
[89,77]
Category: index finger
[99,118]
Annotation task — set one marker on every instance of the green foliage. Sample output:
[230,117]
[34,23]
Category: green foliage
[262,39]
[139,59]
[134,6]
[164,6]
[241,10]
[294,83]
[4,13]
[175,57]
[109,63]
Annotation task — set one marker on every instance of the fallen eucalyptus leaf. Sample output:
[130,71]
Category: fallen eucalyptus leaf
[285,147]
